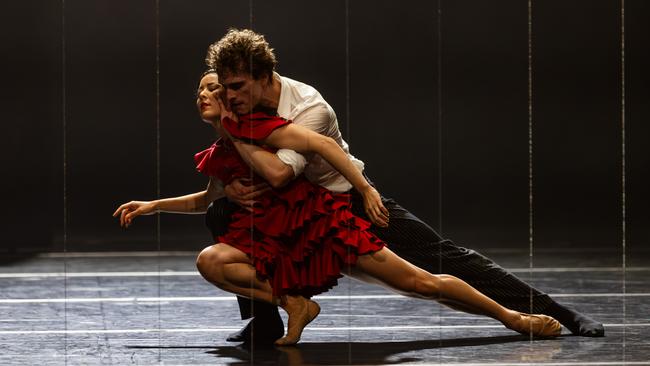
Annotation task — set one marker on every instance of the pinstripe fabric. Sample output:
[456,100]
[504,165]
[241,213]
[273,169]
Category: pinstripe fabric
[416,242]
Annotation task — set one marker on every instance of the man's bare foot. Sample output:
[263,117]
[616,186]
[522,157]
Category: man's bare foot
[301,312]
[537,325]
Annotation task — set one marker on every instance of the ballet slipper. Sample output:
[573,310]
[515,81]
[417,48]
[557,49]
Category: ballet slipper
[301,312]
[538,325]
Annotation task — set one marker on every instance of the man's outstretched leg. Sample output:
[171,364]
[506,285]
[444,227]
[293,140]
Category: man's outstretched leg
[266,325]
[418,243]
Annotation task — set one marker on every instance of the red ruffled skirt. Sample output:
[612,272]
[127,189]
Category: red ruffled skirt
[300,237]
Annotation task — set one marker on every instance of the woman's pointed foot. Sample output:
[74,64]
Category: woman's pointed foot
[301,312]
[537,325]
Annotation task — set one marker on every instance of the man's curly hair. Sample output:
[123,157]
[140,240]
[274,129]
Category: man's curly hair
[242,51]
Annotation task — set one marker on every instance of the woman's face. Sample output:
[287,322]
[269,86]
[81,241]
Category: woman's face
[206,97]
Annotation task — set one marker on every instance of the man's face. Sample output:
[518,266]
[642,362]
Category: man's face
[242,91]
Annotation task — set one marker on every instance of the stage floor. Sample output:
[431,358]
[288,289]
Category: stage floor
[151,308]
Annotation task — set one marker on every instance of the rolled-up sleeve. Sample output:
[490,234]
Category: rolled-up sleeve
[293,159]
[316,117]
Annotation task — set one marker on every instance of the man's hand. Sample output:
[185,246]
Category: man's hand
[131,210]
[375,209]
[242,193]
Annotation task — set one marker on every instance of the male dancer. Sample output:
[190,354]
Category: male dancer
[245,64]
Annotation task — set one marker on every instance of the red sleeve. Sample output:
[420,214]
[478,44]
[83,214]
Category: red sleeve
[256,126]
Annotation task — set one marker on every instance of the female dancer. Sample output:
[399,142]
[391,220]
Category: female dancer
[299,238]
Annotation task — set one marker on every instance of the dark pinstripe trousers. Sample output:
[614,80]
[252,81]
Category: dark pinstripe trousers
[416,242]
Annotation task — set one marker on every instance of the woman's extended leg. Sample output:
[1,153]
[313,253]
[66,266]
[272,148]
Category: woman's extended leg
[386,268]
[231,270]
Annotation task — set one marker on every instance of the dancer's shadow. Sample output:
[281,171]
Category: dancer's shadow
[354,353]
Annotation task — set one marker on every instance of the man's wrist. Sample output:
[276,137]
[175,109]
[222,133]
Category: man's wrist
[366,188]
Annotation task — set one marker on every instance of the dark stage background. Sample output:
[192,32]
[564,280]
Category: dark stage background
[98,109]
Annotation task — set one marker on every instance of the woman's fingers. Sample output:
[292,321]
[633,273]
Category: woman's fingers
[127,220]
[225,111]
[131,215]
[119,209]
[221,106]
[125,211]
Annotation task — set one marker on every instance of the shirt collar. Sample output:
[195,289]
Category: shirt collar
[284,104]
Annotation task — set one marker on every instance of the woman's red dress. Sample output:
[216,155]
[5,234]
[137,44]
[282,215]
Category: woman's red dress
[299,236]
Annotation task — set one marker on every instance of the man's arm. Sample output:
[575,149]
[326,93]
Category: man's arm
[304,140]
[268,165]
[280,168]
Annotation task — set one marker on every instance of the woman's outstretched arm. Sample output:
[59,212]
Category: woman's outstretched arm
[194,203]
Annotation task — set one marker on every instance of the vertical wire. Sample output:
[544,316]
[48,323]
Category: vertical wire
[251,175]
[158,217]
[623,208]
[439,117]
[349,137]
[530,155]
[65,186]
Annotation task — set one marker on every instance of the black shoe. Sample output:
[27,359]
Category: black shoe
[578,324]
[259,331]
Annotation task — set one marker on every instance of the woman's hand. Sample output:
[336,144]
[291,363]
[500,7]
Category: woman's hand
[375,209]
[226,112]
[131,210]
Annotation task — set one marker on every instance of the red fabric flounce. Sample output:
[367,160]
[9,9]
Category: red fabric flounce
[221,160]
[301,237]
[204,158]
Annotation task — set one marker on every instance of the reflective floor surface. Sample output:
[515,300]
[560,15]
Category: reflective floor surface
[153,308]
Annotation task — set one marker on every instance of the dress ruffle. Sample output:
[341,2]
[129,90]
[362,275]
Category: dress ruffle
[221,160]
[300,236]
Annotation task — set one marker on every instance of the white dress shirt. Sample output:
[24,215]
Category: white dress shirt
[304,106]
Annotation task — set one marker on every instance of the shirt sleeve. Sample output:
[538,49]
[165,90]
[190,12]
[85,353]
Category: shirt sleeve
[318,118]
